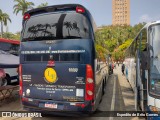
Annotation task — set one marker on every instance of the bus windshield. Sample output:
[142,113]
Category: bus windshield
[154,36]
[54,26]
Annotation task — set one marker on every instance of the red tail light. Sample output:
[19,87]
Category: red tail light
[80,9]
[26,16]
[89,83]
[20,80]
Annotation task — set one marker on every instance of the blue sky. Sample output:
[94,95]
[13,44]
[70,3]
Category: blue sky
[101,10]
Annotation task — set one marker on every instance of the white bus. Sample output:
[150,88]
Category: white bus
[9,60]
[143,68]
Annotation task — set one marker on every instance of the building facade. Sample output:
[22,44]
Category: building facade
[120,12]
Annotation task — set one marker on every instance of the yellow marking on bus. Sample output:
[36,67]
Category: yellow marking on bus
[50,75]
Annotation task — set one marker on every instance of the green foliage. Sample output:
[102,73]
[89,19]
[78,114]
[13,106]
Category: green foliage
[125,44]
[101,52]
[42,5]
[116,39]
[9,35]
[4,18]
[118,55]
[22,6]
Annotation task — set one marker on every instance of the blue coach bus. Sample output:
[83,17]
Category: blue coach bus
[58,65]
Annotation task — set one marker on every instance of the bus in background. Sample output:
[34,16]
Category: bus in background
[58,65]
[143,66]
[11,47]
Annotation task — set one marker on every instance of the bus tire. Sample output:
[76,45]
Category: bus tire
[8,79]
[103,88]
[5,82]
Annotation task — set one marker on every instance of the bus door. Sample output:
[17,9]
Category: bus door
[143,53]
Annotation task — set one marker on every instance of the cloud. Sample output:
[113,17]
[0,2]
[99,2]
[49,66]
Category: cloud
[147,18]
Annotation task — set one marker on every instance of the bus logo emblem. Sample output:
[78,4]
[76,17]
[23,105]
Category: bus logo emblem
[50,75]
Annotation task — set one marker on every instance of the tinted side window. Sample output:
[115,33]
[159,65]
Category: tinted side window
[74,57]
[5,46]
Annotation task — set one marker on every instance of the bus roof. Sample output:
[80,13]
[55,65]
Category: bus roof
[145,27]
[151,23]
[54,8]
[10,41]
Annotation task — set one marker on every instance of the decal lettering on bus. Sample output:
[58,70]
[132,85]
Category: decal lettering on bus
[53,51]
[50,75]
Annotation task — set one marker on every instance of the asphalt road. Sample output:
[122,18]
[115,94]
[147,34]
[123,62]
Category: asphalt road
[114,99]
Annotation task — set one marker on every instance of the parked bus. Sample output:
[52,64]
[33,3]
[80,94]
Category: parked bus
[9,45]
[9,49]
[58,66]
[143,67]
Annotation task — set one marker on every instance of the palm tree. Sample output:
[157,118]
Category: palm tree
[22,5]
[75,26]
[1,22]
[42,5]
[46,27]
[68,26]
[4,17]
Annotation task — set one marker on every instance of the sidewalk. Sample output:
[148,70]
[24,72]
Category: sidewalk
[127,92]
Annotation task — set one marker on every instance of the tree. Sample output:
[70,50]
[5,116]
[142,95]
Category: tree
[68,26]
[75,26]
[42,5]
[9,35]
[22,5]
[116,39]
[1,23]
[4,18]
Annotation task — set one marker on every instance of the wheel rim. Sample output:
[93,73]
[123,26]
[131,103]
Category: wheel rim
[4,82]
[1,82]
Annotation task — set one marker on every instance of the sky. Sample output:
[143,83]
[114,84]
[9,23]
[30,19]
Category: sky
[101,10]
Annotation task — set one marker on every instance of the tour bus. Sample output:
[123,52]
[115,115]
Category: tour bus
[12,48]
[58,66]
[143,67]
[9,45]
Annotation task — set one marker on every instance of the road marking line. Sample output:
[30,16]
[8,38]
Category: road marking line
[113,98]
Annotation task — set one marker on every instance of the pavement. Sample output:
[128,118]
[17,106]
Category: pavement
[127,92]
[118,97]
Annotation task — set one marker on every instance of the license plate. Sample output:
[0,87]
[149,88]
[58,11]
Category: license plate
[50,105]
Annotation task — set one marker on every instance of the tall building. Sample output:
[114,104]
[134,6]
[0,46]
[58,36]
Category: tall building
[120,12]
